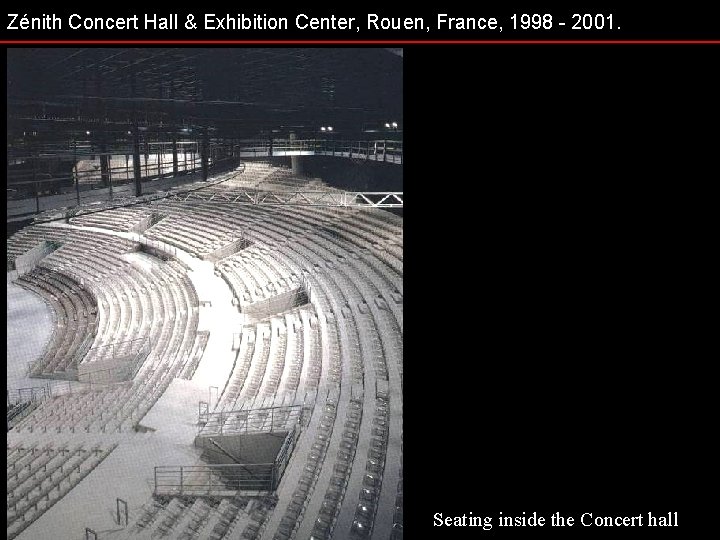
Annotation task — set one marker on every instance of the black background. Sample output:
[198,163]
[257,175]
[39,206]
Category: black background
[559,201]
[554,280]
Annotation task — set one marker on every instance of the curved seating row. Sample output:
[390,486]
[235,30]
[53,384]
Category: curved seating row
[150,303]
[75,317]
[340,355]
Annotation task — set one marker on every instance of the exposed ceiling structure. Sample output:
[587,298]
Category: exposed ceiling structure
[235,92]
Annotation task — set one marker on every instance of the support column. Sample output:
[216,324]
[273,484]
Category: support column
[174,153]
[204,147]
[296,161]
[104,168]
[75,172]
[37,186]
[136,161]
[137,175]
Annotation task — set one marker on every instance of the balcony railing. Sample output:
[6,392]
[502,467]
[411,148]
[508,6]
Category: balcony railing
[388,151]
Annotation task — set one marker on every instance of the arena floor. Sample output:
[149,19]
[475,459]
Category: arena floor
[29,325]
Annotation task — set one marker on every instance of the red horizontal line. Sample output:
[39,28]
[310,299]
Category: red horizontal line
[360,42]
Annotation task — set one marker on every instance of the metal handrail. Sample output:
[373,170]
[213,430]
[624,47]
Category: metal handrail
[213,479]
[31,393]
[209,479]
[386,150]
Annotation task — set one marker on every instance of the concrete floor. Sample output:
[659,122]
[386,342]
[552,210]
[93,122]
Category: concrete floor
[29,326]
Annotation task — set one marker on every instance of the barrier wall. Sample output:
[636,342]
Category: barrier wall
[276,304]
[27,261]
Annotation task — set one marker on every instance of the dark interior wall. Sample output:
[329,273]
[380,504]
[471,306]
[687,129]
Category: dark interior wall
[236,92]
[350,175]
[14,226]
